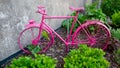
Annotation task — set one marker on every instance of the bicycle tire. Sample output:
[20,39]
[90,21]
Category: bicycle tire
[97,30]
[26,38]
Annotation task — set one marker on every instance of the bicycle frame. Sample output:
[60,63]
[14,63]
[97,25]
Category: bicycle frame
[71,36]
[67,41]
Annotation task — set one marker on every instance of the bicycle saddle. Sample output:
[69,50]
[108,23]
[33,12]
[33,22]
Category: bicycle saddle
[76,9]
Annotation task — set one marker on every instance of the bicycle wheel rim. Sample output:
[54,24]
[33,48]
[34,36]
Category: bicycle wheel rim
[101,36]
[26,38]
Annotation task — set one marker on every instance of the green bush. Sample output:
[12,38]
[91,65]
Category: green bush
[116,19]
[109,7]
[33,49]
[117,56]
[39,61]
[91,13]
[68,22]
[86,57]
[115,33]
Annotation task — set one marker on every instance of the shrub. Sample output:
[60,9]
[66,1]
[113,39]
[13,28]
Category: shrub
[33,49]
[86,57]
[117,56]
[116,19]
[109,7]
[91,12]
[68,22]
[115,33]
[39,61]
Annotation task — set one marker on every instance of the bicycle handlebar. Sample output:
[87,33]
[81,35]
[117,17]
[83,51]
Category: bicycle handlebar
[41,12]
[41,9]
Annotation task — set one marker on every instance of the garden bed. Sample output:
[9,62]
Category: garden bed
[57,51]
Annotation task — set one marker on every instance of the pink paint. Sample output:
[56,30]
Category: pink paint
[72,37]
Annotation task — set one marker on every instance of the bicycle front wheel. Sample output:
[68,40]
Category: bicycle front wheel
[93,33]
[29,42]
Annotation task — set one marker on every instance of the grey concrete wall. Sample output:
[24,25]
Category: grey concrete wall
[14,14]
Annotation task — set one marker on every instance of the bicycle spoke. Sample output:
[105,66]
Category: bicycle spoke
[95,33]
[32,33]
[28,37]
[85,29]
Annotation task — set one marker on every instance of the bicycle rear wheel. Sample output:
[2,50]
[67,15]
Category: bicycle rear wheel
[94,33]
[28,37]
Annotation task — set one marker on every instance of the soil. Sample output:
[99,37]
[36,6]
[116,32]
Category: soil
[57,50]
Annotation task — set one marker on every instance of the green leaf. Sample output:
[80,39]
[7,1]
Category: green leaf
[30,47]
[115,33]
[36,50]
[45,35]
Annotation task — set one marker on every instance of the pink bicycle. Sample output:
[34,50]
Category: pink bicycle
[92,32]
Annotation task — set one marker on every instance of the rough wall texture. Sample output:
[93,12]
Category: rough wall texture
[14,14]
